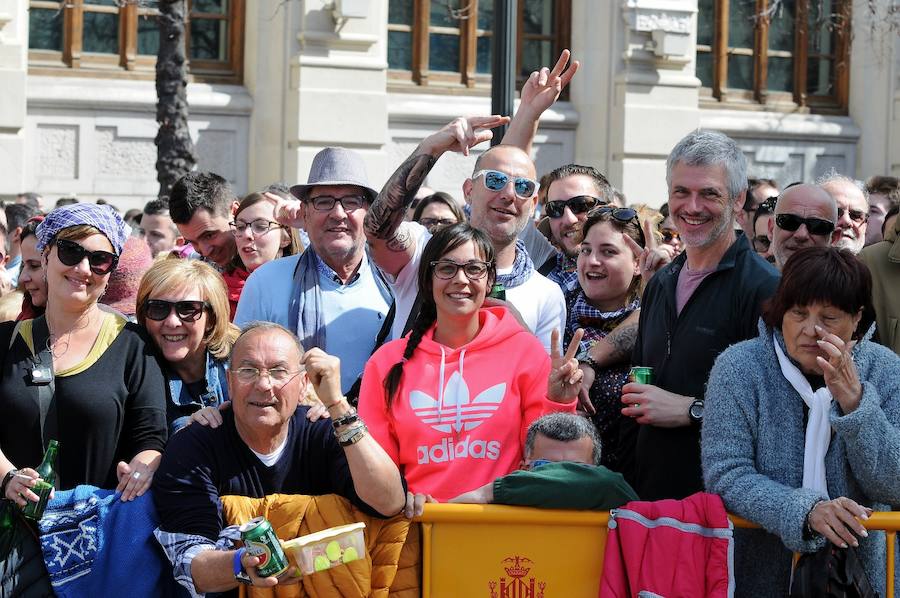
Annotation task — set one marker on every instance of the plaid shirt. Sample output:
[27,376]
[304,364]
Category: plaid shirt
[565,273]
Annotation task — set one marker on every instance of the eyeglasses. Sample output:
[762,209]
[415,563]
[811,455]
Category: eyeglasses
[620,214]
[325,203]
[429,223]
[447,269]
[761,243]
[669,235]
[857,216]
[71,253]
[278,375]
[495,181]
[815,226]
[579,205]
[258,227]
[538,463]
[187,311]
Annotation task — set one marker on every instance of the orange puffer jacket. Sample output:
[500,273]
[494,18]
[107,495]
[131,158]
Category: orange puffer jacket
[390,568]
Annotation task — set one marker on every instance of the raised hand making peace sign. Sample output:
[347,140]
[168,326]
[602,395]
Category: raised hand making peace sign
[653,255]
[565,377]
[461,134]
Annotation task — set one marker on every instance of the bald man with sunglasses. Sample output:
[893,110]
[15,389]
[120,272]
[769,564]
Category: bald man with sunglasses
[502,193]
[804,217]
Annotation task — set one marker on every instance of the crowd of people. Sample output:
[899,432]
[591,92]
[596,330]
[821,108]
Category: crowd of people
[402,346]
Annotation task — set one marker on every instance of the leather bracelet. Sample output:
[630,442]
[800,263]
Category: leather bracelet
[356,437]
[6,480]
[810,532]
[350,431]
[346,419]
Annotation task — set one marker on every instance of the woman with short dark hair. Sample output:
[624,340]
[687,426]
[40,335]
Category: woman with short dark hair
[801,431]
[438,209]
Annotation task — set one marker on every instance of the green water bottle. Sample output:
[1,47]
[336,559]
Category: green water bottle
[44,486]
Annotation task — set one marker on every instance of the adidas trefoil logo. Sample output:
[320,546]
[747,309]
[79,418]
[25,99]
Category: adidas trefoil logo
[469,414]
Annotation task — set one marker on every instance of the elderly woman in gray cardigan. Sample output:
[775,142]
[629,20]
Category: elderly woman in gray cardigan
[801,430]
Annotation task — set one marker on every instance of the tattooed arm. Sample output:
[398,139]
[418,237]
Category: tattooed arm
[616,347]
[390,243]
[539,92]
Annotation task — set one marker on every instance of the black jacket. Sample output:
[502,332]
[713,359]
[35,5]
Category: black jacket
[681,349]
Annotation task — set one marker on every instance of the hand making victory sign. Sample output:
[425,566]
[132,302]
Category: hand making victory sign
[565,377]
[653,255]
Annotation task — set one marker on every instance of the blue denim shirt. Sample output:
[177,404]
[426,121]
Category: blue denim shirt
[181,401]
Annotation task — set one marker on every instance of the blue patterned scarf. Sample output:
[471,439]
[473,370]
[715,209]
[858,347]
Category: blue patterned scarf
[596,323]
[522,268]
[565,274]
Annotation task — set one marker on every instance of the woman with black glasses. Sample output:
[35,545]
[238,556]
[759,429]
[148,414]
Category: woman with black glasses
[259,239]
[79,374]
[183,305]
[452,401]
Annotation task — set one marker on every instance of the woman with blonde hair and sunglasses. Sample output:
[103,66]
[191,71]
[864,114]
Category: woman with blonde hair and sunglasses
[79,374]
[184,306]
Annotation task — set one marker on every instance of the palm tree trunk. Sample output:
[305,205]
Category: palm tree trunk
[175,150]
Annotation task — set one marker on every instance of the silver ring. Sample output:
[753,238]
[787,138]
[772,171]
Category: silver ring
[136,475]
[635,405]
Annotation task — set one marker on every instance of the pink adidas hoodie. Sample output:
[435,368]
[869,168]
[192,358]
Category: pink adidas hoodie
[459,418]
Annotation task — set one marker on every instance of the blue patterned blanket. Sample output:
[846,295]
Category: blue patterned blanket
[96,545]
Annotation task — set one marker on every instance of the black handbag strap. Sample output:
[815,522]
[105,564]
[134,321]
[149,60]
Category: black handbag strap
[40,335]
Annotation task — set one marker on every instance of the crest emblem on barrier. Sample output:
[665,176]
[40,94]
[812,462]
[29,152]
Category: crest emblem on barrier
[516,583]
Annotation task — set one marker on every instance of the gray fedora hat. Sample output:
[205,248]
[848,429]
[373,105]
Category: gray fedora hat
[336,166]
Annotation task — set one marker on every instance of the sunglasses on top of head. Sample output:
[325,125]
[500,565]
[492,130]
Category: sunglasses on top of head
[815,226]
[187,311]
[578,205]
[71,253]
[495,181]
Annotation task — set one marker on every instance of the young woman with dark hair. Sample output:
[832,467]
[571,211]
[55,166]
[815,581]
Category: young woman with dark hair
[452,401]
[609,290]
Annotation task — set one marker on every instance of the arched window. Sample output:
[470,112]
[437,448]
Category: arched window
[121,38]
[785,53]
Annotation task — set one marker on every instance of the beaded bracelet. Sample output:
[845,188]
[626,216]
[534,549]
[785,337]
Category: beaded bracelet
[346,419]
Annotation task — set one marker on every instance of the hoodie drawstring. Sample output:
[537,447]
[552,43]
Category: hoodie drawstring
[458,426]
[441,387]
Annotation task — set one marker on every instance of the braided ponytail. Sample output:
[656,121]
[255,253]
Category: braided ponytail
[424,319]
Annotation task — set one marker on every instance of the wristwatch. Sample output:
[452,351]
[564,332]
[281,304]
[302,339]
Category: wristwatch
[695,411]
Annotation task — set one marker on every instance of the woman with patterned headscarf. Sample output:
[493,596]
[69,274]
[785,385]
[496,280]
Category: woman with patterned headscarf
[80,374]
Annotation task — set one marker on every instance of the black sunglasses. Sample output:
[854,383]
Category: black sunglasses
[187,311]
[578,204]
[815,226]
[857,216]
[71,253]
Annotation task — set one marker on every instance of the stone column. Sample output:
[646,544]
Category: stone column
[13,74]
[655,94]
[336,88]
[875,88]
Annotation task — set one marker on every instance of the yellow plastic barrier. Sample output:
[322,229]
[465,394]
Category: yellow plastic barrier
[515,552]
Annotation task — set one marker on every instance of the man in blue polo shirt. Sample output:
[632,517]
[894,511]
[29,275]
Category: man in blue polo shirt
[332,296]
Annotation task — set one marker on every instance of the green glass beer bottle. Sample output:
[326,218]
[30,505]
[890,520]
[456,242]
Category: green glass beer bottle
[43,487]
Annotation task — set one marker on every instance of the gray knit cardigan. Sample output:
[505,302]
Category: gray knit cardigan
[752,453]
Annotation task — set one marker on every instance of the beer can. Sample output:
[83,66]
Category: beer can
[260,541]
[641,375]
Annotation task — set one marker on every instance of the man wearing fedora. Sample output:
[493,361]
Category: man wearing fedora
[332,296]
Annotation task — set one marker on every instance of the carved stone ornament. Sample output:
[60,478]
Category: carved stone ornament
[671,16]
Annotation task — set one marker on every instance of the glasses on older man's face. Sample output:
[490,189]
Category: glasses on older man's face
[71,253]
[857,216]
[815,226]
[278,375]
[325,203]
